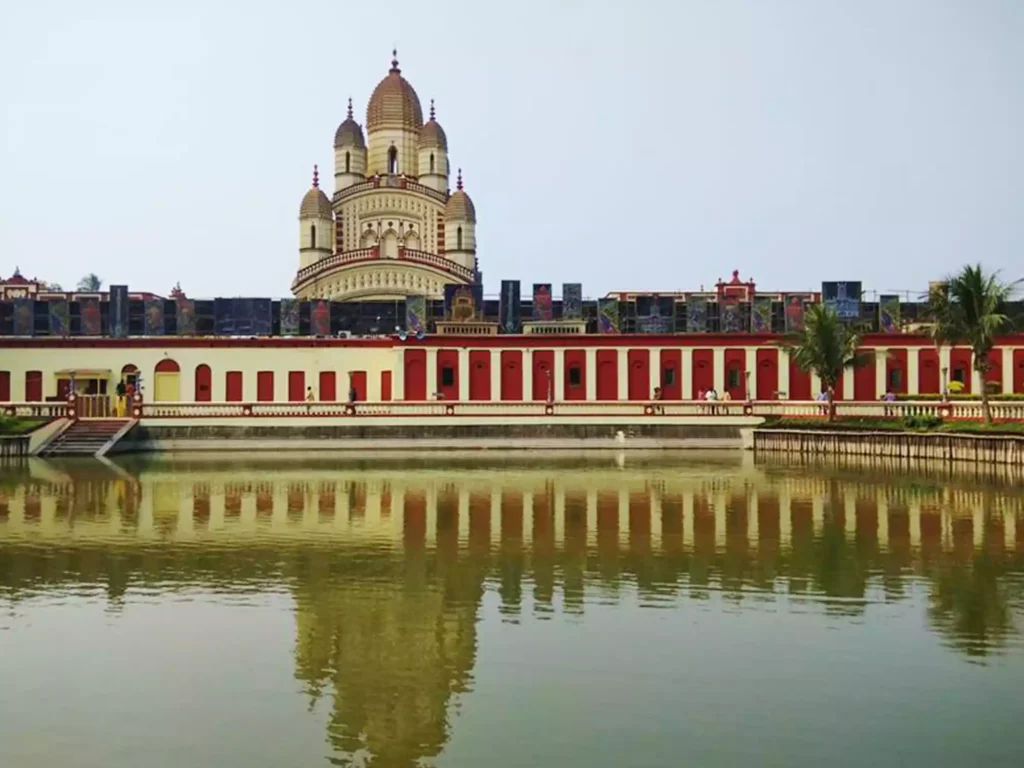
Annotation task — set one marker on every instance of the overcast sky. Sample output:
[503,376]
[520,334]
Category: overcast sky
[625,145]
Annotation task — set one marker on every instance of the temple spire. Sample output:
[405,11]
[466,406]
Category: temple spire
[458,180]
[394,62]
[316,177]
[349,107]
[431,109]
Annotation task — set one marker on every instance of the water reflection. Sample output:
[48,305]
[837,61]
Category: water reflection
[388,562]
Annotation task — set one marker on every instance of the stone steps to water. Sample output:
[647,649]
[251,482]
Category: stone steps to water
[84,438]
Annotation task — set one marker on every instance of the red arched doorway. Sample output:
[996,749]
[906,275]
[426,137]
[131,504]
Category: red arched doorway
[204,383]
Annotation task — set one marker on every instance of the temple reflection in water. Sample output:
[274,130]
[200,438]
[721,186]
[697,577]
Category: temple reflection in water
[388,563]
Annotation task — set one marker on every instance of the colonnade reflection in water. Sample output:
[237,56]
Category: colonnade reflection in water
[388,561]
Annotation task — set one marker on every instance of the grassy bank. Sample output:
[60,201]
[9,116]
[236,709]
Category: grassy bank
[919,424]
[14,426]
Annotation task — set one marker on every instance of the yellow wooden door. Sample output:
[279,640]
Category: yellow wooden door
[167,387]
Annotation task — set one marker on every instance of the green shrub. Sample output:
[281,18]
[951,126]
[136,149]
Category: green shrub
[922,421]
[15,426]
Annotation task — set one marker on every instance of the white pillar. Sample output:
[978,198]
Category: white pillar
[558,375]
[397,376]
[687,373]
[751,372]
[623,375]
[944,365]
[718,361]
[495,375]
[527,374]
[913,371]
[590,373]
[784,372]
[881,381]
[464,374]
[431,373]
[1007,370]
[847,383]
[815,384]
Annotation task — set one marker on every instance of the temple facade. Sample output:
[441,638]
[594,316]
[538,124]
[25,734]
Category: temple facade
[392,227]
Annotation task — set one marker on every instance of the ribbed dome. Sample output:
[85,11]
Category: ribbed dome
[432,134]
[394,103]
[349,134]
[315,204]
[460,206]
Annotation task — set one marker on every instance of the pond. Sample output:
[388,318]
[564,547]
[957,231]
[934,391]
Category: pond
[604,609]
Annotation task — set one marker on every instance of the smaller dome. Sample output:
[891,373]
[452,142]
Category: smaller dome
[460,206]
[315,204]
[432,134]
[349,133]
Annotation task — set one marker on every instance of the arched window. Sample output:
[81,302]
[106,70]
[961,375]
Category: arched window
[431,162]
[312,235]
[458,239]
[348,162]
[393,161]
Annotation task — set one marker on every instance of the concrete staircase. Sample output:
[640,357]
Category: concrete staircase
[85,438]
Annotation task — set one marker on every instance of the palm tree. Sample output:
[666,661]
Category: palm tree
[970,309]
[827,347]
[91,283]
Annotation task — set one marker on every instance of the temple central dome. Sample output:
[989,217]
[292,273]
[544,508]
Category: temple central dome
[394,103]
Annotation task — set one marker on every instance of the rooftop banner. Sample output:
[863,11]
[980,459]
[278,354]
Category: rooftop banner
[118,317]
[89,312]
[729,317]
[608,316]
[60,318]
[262,317]
[320,318]
[463,303]
[186,316]
[289,317]
[24,317]
[843,298]
[761,315]
[696,314]
[416,314]
[154,317]
[889,314]
[510,307]
[794,310]
[572,301]
[542,302]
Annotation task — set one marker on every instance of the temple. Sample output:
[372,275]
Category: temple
[392,227]
[388,304]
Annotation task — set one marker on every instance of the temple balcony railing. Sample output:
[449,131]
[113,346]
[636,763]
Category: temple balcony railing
[369,255]
[390,182]
[50,409]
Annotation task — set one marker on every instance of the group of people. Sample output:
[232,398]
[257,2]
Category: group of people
[710,398]
[125,391]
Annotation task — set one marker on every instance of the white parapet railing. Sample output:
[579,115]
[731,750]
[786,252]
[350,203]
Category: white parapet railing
[41,410]
[1001,410]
